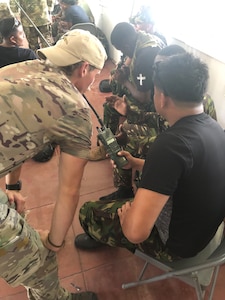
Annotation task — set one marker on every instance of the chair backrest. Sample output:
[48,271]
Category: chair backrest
[86,26]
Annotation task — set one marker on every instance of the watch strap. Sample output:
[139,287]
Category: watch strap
[14,187]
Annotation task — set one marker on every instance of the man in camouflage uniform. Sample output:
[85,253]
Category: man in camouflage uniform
[41,102]
[138,135]
[133,79]
[38,12]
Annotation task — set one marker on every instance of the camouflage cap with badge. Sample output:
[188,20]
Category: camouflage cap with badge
[75,46]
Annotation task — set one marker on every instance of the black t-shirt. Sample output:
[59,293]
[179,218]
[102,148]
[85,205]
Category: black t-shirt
[143,70]
[11,55]
[187,162]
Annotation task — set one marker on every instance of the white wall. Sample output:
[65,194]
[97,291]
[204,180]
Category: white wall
[109,13]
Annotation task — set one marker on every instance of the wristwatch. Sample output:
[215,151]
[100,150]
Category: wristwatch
[14,187]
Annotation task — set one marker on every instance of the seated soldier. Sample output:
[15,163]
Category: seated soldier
[137,137]
[180,202]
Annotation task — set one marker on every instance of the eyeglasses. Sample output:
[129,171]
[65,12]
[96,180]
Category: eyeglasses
[16,24]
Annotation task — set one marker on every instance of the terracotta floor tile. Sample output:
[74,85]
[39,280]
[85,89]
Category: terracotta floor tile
[98,176]
[74,283]
[17,296]
[112,275]
[6,290]
[105,269]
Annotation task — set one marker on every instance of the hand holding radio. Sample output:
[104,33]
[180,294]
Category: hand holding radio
[109,141]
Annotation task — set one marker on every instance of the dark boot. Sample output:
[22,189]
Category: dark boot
[84,296]
[85,242]
[121,193]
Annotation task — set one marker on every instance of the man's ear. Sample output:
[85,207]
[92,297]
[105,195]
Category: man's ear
[84,69]
[12,40]
[163,100]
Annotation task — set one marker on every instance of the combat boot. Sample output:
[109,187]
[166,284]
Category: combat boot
[85,242]
[84,296]
[121,193]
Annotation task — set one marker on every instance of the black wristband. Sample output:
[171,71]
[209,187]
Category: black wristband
[53,245]
[14,187]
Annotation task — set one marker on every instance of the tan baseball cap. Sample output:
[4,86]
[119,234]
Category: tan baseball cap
[75,46]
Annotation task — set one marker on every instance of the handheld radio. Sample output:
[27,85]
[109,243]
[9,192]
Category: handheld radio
[109,141]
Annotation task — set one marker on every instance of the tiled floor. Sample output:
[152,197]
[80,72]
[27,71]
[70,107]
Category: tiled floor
[104,270]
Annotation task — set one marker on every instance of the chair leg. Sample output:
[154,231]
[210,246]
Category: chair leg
[215,275]
[142,271]
[198,289]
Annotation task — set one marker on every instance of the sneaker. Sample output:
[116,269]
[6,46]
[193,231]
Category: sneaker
[85,242]
[121,193]
[97,153]
[84,296]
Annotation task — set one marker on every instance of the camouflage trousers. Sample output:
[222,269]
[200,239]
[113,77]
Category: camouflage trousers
[35,40]
[209,106]
[100,220]
[24,260]
[139,138]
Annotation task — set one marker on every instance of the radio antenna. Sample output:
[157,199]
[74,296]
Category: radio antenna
[95,112]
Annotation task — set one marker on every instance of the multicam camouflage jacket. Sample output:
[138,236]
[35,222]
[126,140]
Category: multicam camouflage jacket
[38,105]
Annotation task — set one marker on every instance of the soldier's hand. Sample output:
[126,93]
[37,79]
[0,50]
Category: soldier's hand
[126,154]
[123,211]
[111,100]
[17,200]
[120,75]
[43,235]
[133,162]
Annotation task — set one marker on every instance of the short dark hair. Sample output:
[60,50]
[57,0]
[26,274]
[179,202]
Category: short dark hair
[182,77]
[123,33]
[8,26]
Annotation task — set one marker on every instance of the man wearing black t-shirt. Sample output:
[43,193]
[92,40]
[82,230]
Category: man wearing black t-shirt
[12,49]
[180,202]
